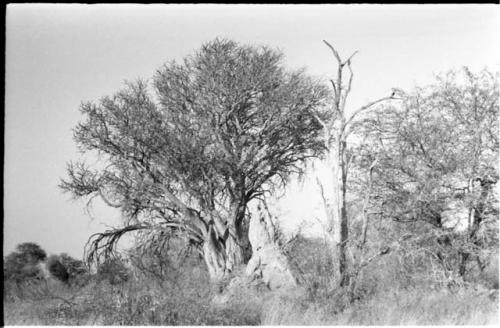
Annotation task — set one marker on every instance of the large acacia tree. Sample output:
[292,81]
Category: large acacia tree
[221,128]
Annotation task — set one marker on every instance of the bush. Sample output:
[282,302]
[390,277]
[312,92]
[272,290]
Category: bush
[129,303]
[311,261]
[113,270]
[75,267]
[57,269]
[23,264]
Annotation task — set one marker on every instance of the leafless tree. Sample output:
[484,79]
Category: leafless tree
[336,130]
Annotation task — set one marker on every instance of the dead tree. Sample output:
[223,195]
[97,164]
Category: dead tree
[335,132]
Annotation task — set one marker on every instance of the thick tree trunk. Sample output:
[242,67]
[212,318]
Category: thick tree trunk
[222,257]
[226,246]
[235,254]
[267,267]
[214,255]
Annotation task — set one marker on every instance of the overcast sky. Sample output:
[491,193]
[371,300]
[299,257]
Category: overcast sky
[60,55]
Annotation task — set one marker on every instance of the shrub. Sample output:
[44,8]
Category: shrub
[113,270]
[76,269]
[23,264]
[57,269]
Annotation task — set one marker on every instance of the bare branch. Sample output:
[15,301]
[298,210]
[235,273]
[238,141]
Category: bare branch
[346,131]
[104,244]
[382,251]
[334,87]
[335,53]
[349,85]
[348,61]
[316,117]
[107,201]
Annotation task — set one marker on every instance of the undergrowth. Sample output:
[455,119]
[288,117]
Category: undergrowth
[387,293]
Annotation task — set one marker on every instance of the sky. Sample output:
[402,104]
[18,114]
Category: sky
[60,55]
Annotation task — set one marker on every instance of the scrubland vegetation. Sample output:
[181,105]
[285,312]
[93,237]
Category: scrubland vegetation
[388,293]
[411,207]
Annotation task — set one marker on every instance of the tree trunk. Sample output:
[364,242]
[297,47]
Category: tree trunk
[339,127]
[476,213]
[462,268]
[337,209]
[237,243]
[226,246]
[268,266]
[214,255]
[235,254]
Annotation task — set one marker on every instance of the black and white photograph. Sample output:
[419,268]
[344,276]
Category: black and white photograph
[251,164]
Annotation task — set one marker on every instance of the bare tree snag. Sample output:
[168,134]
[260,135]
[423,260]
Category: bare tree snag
[336,131]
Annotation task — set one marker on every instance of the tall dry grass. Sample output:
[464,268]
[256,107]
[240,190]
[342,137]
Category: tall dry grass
[388,293]
[135,302]
[397,307]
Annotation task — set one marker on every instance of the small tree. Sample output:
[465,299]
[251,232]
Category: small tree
[31,252]
[22,264]
[227,124]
